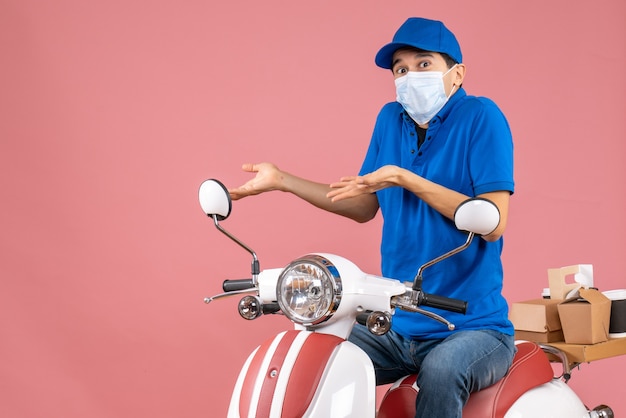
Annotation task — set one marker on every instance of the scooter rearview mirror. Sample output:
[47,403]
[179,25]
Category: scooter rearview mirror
[215,199]
[217,204]
[477,215]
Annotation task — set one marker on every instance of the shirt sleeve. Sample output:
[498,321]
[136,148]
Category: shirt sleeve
[371,157]
[491,151]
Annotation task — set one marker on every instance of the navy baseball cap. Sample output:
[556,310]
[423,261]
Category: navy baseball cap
[426,34]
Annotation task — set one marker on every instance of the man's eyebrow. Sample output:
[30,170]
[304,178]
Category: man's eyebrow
[418,54]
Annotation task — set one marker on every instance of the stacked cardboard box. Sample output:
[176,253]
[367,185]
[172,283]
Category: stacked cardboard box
[537,320]
[577,315]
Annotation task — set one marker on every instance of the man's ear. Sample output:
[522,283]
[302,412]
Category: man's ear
[459,74]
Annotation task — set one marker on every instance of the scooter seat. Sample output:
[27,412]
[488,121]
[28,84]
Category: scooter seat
[530,368]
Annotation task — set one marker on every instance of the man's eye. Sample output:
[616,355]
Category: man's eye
[424,64]
[401,71]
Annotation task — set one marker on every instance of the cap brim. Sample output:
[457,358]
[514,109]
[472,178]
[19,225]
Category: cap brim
[384,56]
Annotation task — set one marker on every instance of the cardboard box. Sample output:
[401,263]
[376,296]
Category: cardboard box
[536,320]
[585,320]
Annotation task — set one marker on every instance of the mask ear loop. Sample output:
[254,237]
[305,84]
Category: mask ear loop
[450,69]
[451,92]
[454,85]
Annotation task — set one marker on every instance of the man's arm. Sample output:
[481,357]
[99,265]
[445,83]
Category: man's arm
[360,208]
[440,198]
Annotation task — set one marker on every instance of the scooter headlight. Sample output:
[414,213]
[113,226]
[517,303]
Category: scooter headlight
[309,290]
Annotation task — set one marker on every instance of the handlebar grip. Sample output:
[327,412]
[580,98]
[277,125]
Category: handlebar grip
[234,285]
[442,302]
[270,308]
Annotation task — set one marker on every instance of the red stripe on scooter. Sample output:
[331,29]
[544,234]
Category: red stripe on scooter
[269,383]
[307,373]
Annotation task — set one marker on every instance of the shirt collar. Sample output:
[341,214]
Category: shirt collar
[450,104]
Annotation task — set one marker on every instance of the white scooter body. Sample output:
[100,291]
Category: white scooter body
[314,372]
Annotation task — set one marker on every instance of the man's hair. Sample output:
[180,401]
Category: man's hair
[450,62]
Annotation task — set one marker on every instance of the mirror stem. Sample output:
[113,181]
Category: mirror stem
[256,268]
[417,282]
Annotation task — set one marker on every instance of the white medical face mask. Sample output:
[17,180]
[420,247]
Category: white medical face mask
[422,94]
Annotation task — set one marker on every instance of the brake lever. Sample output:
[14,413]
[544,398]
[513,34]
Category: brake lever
[208,300]
[404,302]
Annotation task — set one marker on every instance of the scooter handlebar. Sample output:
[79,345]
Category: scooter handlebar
[442,302]
[235,285]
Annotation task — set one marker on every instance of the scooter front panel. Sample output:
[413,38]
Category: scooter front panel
[271,370]
[281,376]
[307,372]
[347,388]
[245,398]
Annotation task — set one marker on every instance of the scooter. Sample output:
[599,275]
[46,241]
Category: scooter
[313,371]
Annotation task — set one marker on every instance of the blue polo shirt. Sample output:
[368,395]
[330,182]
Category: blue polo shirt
[468,148]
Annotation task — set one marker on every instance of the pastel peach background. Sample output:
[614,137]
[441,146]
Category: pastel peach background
[113,112]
